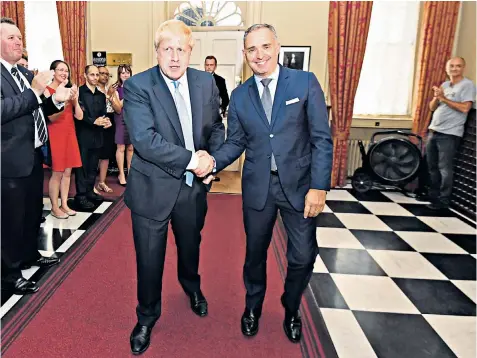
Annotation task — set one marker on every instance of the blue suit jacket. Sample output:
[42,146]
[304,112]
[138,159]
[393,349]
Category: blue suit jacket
[299,136]
[160,158]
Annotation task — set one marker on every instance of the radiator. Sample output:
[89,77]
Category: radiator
[354,155]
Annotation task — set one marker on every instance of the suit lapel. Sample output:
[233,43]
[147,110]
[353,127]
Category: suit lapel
[7,76]
[195,93]
[283,80]
[255,98]
[167,102]
[26,73]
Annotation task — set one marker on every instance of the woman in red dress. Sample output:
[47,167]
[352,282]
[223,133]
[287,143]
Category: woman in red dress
[65,153]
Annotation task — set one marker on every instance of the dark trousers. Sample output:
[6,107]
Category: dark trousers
[150,238]
[85,176]
[22,205]
[302,249]
[440,152]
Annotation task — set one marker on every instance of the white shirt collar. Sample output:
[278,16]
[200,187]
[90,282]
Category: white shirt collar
[182,80]
[273,76]
[7,65]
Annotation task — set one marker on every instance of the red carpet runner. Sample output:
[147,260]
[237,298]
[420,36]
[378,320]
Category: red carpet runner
[93,311]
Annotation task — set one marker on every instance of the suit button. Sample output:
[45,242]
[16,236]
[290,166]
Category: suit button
[269,156]
[271,135]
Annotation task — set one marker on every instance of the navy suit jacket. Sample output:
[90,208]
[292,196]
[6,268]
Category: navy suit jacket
[18,124]
[160,157]
[299,136]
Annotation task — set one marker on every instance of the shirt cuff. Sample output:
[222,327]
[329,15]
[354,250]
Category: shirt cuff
[193,163]
[215,165]
[58,105]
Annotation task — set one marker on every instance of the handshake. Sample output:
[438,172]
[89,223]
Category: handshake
[204,167]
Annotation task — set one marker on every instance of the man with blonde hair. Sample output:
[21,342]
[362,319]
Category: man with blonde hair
[172,115]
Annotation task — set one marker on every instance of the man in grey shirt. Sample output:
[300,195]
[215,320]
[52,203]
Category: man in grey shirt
[451,103]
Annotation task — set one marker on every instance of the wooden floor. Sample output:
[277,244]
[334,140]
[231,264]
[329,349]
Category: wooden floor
[230,183]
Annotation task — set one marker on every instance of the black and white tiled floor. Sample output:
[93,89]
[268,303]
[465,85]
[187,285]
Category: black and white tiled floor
[56,237]
[395,279]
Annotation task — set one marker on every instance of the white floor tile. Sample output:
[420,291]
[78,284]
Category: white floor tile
[457,331]
[337,238]
[468,287]
[432,242]
[9,304]
[28,273]
[46,253]
[326,209]
[405,264]
[319,266]
[363,222]
[379,208]
[103,207]
[342,195]
[447,225]
[70,241]
[73,222]
[346,334]
[373,293]
[398,197]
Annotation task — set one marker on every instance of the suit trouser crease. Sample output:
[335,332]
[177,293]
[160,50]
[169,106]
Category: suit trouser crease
[150,238]
[22,203]
[302,249]
[85,176]
[440,152]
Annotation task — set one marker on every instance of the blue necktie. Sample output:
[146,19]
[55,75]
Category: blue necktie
[186,125]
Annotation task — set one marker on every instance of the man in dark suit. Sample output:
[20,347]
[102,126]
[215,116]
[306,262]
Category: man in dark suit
[24,132]
[210,66]
[279,117]
[172,115]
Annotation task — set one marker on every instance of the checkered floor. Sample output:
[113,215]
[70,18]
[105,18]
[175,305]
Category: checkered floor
[395,279]
[56,237]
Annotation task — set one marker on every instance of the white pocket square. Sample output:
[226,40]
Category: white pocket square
[291,101]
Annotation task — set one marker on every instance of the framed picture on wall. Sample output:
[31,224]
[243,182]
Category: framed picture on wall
[296,57]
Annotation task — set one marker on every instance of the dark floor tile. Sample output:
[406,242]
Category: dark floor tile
[89,221]
[328,220]
[5,296]
[436,297]
[404,223]
[72,205]
[351,207]
[51,239]
[423,210]
[350,261]
[381,240]
[372,195]
[395,335]
[326,292]
[466,242]
[454,266]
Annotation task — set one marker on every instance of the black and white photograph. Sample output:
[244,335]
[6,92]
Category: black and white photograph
[296,57]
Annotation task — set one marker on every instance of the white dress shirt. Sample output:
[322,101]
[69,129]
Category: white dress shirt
[272,85]
[184,91]
[9,67]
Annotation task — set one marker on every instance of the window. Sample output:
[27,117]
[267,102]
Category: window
[209,13]
[42,32]
[385,84]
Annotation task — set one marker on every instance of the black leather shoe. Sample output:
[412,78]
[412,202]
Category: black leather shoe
[41,262]
[20,287]
[198,303]
[249,323]
[291,324]
[140,339]
[94,197]
[81,203]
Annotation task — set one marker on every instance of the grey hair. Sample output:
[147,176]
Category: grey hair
[259,26]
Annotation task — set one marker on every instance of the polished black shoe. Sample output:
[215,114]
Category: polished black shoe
[140,339]
[20,287]
[249,323]
[437,206]
[81,203]
[198,303]
[41,262]
[292,324]
[94,197]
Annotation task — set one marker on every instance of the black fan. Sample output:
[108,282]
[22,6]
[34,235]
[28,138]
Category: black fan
[392,160]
